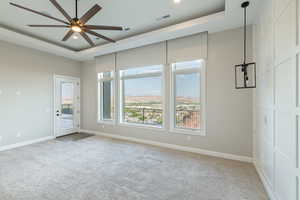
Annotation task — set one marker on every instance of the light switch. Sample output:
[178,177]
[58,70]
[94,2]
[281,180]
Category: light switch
[18,93]
[1,92]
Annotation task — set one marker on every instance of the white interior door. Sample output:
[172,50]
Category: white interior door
[67,105]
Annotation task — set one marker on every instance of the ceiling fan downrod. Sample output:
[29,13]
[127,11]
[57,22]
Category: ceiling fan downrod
[76,9]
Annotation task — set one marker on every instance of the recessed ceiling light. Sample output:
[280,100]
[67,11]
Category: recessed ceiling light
[126,29]
[75,37]
[177,1]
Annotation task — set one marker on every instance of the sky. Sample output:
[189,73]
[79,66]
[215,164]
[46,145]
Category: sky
[152,86]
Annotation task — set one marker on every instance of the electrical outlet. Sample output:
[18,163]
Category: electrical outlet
[189,138]
[102,126]
[19,134]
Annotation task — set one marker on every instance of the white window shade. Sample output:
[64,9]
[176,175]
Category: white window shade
[188,48]
[106,63]
[149,55]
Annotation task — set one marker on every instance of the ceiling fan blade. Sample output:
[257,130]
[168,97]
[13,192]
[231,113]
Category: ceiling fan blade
[87,38]
[95,27]
[67,16]
[90,13]
[49,26]
[98,35]
[39,13]
[68,35]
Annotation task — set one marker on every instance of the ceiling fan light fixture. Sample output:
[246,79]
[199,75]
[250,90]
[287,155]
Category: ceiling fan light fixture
[75,25]
[76,29]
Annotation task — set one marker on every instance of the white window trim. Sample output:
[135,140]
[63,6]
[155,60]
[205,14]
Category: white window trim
[172,118]
[100,119]
[141,126]
[121,99]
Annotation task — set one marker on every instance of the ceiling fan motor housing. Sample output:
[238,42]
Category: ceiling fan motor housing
[76,21]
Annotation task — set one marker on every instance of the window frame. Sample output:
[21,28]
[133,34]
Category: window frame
[100,82]
[121,98]
[172,117]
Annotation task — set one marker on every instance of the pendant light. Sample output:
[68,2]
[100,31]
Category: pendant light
[245,73]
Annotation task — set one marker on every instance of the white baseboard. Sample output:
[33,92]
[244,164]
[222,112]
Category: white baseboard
[173,146]
[264,181]
[21,144]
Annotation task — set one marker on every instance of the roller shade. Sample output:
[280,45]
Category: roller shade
[106,63]
[149,55]
[187,48]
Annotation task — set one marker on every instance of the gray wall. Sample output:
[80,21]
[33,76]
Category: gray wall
[28,73]
[229,111]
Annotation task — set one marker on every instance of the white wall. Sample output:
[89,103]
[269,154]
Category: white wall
[26,92]
[276,141]
[229,111]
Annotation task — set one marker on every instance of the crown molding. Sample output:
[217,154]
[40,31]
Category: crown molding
[228,19]
[31,42]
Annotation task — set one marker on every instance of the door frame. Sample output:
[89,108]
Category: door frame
[55,76]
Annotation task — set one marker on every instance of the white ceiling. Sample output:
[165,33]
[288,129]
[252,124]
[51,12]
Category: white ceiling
[139,15]
[141,33]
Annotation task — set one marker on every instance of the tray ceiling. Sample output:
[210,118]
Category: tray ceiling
[139,15]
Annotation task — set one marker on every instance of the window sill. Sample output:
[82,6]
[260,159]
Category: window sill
[140,126]
[188,132]
[110,122]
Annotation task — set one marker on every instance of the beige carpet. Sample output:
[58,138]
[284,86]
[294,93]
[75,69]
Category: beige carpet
[97,168]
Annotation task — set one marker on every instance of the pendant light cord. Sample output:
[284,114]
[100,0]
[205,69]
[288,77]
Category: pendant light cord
[245,34]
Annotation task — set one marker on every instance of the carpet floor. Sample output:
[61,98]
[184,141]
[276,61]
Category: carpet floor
[97,168]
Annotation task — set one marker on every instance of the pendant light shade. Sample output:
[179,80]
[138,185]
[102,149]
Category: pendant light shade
[245,73]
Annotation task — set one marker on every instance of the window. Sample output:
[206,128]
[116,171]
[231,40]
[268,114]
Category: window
[142,92]
[142,96]
[188,96]
[106,97]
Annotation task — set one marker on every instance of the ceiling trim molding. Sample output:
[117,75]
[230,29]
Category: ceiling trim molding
[228,19]
[31,42]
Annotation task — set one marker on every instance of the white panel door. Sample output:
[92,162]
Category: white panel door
[67,105]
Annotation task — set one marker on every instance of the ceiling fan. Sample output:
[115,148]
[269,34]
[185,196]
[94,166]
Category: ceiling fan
[76,24]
